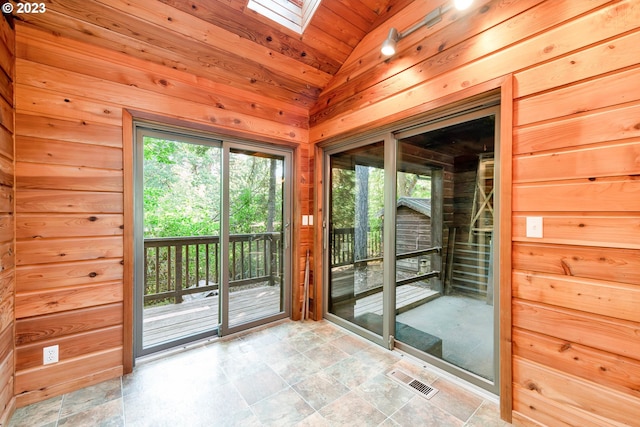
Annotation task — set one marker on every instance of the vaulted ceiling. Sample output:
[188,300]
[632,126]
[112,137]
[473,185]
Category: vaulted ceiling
[223,40]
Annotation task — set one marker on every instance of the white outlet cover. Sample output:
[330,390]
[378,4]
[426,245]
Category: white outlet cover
[534,227]
[50,354]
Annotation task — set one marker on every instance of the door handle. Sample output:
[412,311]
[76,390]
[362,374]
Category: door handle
[286,236]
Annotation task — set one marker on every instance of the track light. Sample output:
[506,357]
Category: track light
[388,47]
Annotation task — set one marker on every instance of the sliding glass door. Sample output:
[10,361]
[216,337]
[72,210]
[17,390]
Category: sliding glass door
[258,237]
[178,222]
[446,306]
[356,212]
[411,242]
[211,235]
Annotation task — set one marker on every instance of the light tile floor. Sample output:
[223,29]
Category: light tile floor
[289,374]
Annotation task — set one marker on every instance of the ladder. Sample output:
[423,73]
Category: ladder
[482,209]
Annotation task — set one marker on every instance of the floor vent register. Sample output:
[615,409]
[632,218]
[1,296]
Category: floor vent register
[413,384]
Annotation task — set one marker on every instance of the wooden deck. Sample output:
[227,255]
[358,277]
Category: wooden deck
[170,322]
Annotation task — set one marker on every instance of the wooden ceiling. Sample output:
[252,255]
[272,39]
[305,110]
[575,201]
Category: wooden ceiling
[223,40]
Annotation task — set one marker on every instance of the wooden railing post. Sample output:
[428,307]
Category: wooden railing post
[178,291]
[264,269]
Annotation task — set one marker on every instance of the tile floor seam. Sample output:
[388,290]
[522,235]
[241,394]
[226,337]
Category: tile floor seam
[235,387]
[291,385]
[305,400]
[60,409]
[390,417]
[253,412]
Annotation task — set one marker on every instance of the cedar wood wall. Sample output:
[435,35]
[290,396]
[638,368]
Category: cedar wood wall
[71,197]
[7,281]
[575,161]
[576,143]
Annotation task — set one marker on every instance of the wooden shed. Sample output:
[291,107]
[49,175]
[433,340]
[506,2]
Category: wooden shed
[78,77]
[413,230]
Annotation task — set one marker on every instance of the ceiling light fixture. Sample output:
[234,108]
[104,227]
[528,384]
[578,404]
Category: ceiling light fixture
[462,4]
[388,47]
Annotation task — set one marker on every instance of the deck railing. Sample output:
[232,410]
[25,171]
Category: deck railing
[343,245]
[179,266]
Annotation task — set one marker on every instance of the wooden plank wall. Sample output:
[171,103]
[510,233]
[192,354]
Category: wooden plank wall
[304,238]
[70,98]
[7,234]
[576,162]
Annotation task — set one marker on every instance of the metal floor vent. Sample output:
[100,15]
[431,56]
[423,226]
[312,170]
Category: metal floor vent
[418,386]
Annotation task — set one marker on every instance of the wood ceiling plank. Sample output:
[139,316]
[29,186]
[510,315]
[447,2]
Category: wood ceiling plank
[339,50]
[422,53]
[172,50]
[219,39]
[395,75]
[35,45]
[365,11]
[222,41]
[231,16]
[381,7]
[348,26]
[370,44]
[70,83]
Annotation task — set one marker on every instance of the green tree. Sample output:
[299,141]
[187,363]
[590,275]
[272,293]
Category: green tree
[182,190]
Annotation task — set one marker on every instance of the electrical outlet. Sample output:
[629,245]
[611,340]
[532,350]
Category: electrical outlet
[50,354]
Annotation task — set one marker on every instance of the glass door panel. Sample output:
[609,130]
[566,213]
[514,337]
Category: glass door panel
[444,245]
[418,248]
[356,209]
[257,226]
[211,237]
[179,239]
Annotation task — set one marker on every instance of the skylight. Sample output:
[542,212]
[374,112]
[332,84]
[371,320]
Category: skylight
[293,14]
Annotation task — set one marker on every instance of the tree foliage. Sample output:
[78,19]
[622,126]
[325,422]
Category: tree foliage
[343,194]
[183,187]
[254,192]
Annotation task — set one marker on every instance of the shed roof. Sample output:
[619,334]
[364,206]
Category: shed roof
[422,206]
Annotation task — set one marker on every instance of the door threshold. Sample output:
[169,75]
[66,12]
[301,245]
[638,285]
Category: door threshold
[161,354]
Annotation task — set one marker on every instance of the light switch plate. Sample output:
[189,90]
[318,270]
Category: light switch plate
[534,227]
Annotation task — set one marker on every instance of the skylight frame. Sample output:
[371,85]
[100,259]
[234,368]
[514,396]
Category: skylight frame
[286,13]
